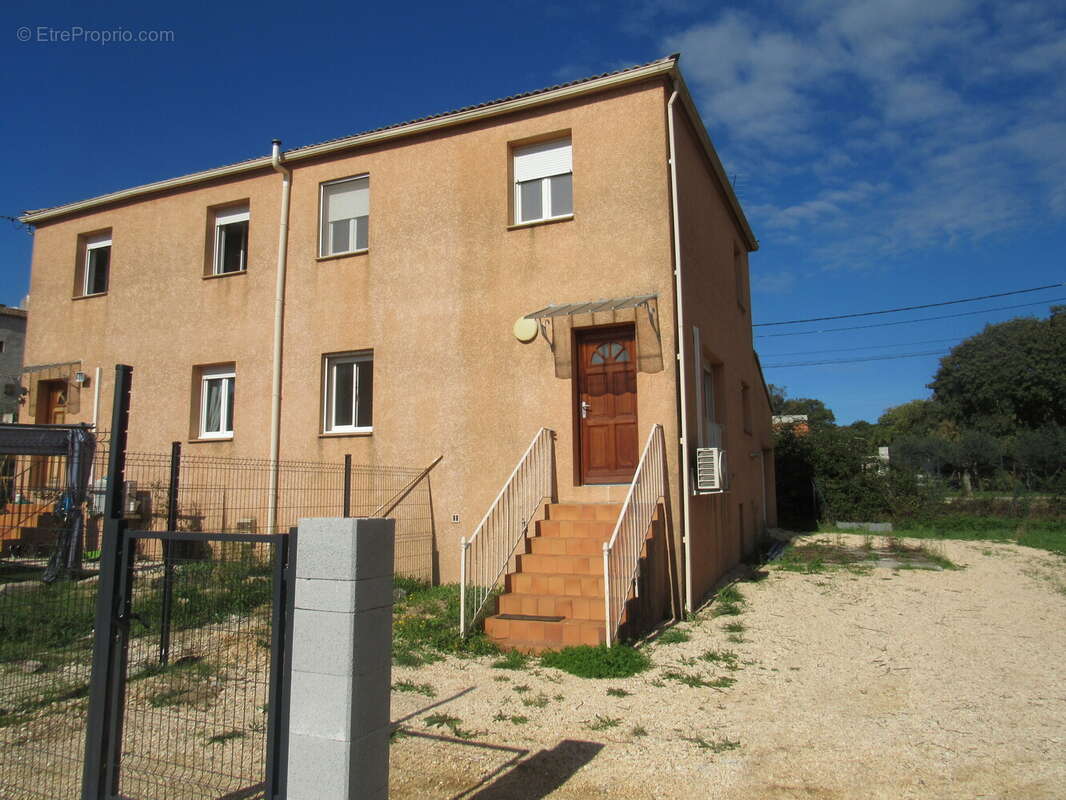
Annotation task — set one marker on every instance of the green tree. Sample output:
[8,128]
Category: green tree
[917,418]
[818,414]
[777,397]
[1010,376]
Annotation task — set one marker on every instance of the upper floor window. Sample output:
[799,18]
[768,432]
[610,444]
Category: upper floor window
[231,240]
[349,393]
[217,385]
[95,264]
[543,181]
[345,211]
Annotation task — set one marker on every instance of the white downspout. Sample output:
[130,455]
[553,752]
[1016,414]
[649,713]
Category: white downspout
[96,397]
[682,362]
[279,319]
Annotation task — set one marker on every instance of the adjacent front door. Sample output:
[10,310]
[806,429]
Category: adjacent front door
[606,404]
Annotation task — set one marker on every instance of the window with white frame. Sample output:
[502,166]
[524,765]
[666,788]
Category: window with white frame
[345,212]
[349,393]
[712,430]
[231,240]
[96,264]
[217,386]
[543,181]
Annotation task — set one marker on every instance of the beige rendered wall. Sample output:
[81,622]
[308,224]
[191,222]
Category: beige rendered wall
[435,298]
[709,235]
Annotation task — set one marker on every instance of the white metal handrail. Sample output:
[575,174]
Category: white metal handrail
[483,558]
[621,554]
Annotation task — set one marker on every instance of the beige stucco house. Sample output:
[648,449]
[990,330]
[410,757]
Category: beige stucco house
[571,259]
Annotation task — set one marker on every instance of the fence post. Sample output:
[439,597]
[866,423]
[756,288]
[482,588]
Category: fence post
[341,661]
[347,485]
[166,610]
[103,724]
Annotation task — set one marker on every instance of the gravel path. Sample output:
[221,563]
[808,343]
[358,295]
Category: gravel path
[889,684]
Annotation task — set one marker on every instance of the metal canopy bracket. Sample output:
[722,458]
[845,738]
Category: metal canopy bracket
[591,307]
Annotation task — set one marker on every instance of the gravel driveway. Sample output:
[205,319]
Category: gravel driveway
[849,683]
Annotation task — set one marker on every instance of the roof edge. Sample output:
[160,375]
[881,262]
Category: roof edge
[537,98]
[716,163]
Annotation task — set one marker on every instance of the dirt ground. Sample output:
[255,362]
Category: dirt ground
[879,683]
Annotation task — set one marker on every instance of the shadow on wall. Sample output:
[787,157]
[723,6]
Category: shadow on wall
[541,774]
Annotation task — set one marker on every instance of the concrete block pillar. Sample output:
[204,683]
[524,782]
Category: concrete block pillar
[341,660]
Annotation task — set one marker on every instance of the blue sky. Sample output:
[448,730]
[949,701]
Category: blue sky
[887,153]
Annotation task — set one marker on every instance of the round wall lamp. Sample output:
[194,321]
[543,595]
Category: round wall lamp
[526,329]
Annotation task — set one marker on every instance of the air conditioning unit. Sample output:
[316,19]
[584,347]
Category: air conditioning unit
[711,472]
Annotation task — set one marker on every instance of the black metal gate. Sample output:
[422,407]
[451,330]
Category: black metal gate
[200,720]
[188,697]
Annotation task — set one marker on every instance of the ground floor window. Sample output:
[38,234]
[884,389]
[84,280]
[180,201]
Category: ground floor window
[217,385]
[349,393]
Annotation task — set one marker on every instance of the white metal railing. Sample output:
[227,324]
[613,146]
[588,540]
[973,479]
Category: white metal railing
[483,558]
[621,554]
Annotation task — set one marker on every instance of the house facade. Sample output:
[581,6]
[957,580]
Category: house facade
[446,287]
[12,339]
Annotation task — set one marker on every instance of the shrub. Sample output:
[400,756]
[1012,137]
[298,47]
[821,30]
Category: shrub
[620,661]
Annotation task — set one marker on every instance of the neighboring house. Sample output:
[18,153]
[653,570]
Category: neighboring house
[12,338]
[451,285]
[797,422]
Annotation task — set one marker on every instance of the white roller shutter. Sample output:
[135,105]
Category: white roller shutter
[347,200]
[543,160]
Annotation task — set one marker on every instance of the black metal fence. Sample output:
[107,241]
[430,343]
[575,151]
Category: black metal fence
[181,492]
[46,640]
[199,725]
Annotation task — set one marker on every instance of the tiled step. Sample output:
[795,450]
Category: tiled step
[566,546]
[550,565]
[552,605]
[556,584]
[593,529]
[604,512]
[569,632]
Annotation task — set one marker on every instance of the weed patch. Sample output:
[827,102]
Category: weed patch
[220,738]
[512,659]
[425,626]
[602,723]
[537,701]
[514,719]
[618,692]
[620,661]
[672,636]
[449,722]
[719,746]
[415,688]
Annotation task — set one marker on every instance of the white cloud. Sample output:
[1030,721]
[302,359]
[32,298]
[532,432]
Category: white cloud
[881,126]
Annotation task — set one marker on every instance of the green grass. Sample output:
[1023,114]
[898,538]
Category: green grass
[219,738]
[426,626]
[538,701]
[725,658]
[728,602]
[449,722]
[620,661]
[602,723]
[24,708]
[672,636]
[719,746]
[414,688]
[638,730]
[512,659]
[1042,534]
[613,692]
[514,719]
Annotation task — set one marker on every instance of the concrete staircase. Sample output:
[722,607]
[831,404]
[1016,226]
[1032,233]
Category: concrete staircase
[554,599]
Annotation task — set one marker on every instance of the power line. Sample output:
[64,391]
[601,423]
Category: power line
[855,360]
[909,308]
[909,321]
[864,347]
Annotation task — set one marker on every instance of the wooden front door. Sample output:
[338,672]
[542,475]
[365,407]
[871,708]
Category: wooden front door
[606,404]
[51,409]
